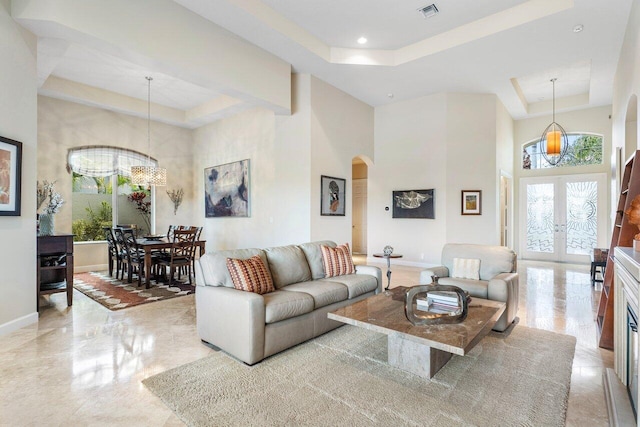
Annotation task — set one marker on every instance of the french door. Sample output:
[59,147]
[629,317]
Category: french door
[562,218]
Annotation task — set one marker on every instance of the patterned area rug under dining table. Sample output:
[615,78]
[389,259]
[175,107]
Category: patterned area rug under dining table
[116,294]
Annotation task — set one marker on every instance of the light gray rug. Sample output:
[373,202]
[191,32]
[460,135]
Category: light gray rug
[342,379]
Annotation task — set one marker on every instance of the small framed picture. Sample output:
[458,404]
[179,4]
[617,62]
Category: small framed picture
[10,176]
[332,196]
[471,202]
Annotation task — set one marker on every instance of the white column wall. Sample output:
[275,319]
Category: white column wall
[18,121]
[341,128]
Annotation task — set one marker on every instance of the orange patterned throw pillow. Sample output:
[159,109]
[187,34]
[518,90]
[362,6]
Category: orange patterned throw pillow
[337,261]
[250,275]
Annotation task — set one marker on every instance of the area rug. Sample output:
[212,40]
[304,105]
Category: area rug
[116,294]
[342,379]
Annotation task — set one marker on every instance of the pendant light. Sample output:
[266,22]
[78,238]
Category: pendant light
[148,174]
[554,143]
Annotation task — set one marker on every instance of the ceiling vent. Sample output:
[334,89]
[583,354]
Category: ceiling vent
[428,11]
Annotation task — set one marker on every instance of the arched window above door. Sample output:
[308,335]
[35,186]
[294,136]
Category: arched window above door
[584,149]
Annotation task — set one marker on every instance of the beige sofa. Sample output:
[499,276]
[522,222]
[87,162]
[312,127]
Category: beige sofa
[498,276]
[250,326]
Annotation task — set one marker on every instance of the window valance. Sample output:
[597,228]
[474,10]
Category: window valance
[103,160]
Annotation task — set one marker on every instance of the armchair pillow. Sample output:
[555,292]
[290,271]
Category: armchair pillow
[250,275]
[466,268]
[337,261]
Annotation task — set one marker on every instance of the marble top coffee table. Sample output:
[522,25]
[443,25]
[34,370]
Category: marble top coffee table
[423,349]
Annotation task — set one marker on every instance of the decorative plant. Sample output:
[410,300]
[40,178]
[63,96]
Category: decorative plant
[92,228]
[633,214]
[143,206]
[46,191]
[176,198]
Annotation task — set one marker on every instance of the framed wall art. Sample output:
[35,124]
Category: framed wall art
[226,190]
[414,204]
[471,202]
[10,176]
[332,196]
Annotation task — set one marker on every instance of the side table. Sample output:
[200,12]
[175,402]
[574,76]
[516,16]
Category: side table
[388,258]
[598,260]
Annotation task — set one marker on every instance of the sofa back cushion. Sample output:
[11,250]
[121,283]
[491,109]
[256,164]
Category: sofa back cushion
[288,265]
[493,259]
[313,253]
[214,265]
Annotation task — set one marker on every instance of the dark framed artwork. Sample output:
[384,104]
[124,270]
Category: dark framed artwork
[471,202]
[414,204]
[226,190]
[10,176]
[332,196]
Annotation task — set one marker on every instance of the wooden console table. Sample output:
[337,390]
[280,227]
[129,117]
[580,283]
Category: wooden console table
[55,266]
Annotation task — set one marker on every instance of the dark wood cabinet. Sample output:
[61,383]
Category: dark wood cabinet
[55,266]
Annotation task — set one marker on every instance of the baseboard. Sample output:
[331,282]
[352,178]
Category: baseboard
[18,323]
[88,268]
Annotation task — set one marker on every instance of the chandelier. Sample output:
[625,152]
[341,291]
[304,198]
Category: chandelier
[554,143]
[148,175]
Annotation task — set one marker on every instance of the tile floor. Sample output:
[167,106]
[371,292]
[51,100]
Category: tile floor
[84,365]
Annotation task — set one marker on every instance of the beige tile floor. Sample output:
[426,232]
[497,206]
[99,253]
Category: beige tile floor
[84,365]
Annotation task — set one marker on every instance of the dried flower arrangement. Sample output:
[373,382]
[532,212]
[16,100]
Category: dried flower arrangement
[46,191]
[176,198]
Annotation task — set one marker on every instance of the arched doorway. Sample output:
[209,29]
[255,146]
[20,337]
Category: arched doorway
[359,174]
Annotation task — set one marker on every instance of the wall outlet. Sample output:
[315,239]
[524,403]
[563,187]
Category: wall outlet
[422,257]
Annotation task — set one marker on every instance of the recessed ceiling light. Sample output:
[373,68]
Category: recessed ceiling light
[362,40]
[578,28]
[428,11]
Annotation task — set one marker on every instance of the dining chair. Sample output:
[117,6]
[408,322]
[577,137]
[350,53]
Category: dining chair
[115,254]
[181,253]
[134,256]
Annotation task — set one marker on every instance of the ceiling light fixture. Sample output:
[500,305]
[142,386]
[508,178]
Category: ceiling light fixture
[428,11]
[554,142]
[148,175]
[362,40]
[390,95]
[578,28]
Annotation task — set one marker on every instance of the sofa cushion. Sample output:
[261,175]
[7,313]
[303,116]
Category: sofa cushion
[214,265]
[250,275]
[323,292]
[466,268]
[313,253]
[337,261]
[357,284]
[288,265]
[281,305]
[476,288]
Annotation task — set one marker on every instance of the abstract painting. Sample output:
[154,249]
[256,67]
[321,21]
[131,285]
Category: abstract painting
[226,190]
[414,204]
[332,196]
[10,176]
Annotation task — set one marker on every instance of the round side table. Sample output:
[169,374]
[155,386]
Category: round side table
[388,258]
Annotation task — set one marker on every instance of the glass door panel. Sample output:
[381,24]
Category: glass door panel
[540,218]
[582,217]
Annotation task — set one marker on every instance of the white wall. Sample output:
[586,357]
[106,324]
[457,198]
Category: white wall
[341,129]
[410,152]
[63,125]
[447,142]
[18,112]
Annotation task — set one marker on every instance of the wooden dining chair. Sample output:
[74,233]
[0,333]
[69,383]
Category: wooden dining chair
[134,256]
[115,253]
[181,253]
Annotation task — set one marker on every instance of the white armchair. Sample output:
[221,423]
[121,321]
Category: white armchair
[497,278]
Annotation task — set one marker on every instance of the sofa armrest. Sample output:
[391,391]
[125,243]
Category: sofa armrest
[440,271]
[372,271]
[197,270]
[232,320]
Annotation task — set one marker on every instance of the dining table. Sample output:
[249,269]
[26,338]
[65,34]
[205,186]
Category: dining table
[151,245]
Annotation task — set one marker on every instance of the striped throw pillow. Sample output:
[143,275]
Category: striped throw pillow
[250,275]
[464,268]
[337,261]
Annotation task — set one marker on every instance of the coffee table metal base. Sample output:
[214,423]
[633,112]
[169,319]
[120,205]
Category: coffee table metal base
[415,358]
